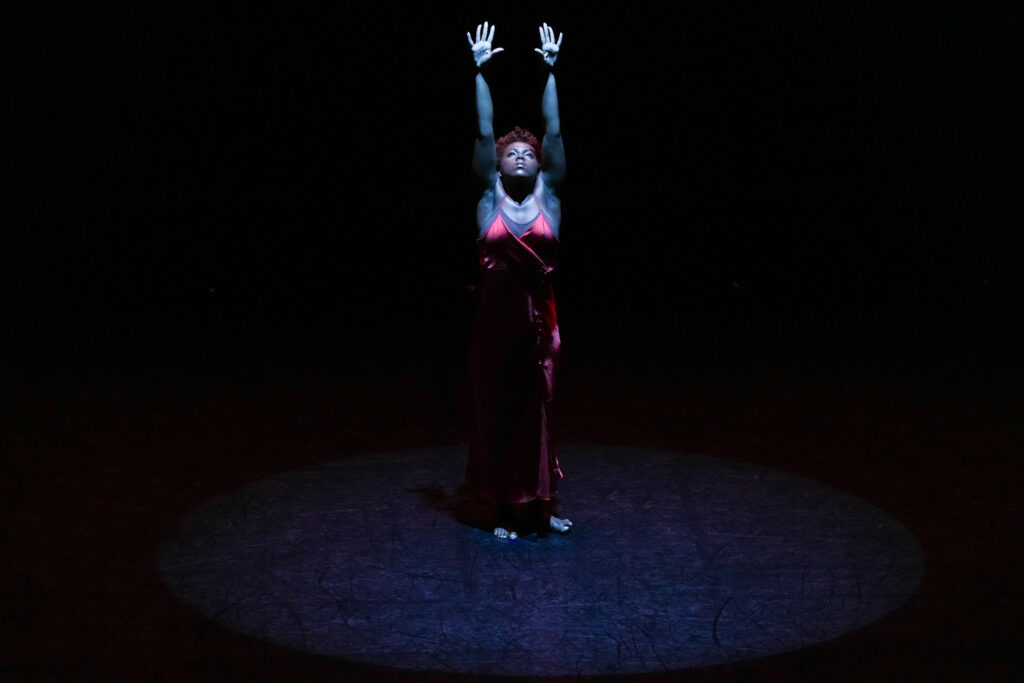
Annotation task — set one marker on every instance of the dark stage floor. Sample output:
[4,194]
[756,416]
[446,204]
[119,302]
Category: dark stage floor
[677,561]
[790,506]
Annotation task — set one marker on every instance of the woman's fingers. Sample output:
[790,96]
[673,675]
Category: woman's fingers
[484,34]
[547,37]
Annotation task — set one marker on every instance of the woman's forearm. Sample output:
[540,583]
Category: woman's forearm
[549,106]
[484,156]
[554,150]
[484,108]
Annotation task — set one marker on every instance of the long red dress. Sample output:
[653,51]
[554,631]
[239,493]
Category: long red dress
[513,358]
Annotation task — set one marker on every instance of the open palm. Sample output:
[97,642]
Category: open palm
[481,47]
[548,46]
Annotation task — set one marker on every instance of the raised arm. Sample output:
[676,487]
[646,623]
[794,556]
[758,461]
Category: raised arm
[553,150]
[485,160]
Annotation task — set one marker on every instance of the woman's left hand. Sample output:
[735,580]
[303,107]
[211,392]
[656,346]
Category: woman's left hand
[548,47]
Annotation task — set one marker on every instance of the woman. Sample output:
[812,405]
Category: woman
[515,342]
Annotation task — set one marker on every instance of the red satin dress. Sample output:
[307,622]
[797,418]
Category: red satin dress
[513,358]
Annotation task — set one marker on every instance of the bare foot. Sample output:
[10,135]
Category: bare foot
[502,532]
[559,526]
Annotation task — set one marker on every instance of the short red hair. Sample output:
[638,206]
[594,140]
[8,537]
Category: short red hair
[518,134]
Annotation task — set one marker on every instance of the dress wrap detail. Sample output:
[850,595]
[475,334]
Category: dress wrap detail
[514,352]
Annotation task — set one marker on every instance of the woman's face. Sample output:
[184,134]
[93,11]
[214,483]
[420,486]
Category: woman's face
[519,160]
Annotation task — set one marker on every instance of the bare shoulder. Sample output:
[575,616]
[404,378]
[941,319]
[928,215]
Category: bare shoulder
[487,206]
[548,201]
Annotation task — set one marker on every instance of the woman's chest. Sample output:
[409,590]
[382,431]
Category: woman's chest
[524,213]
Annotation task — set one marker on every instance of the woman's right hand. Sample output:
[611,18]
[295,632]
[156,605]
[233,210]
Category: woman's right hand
[481,47]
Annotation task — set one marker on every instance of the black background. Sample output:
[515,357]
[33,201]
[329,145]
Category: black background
[237,240]
[833,162]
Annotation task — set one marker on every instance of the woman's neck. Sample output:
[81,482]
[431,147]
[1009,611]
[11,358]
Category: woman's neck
[518,189]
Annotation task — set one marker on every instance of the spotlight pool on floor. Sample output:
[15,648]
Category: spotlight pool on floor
[676,561]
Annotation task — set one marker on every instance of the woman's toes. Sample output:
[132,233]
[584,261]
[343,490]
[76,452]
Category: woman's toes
[560,525]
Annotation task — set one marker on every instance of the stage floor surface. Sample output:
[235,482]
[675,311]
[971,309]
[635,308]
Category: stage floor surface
[675,561]
[275,515]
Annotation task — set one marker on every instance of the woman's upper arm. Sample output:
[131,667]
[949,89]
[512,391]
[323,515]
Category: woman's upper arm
[554,159]
[485,160]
